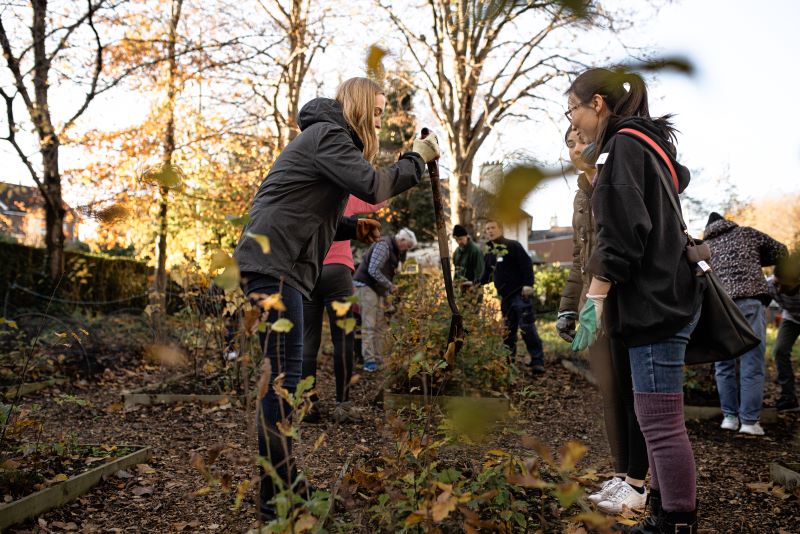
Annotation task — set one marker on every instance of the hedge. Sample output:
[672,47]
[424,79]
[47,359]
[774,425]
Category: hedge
[88,278]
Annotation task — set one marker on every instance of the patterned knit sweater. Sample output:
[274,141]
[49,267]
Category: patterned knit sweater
[737,255]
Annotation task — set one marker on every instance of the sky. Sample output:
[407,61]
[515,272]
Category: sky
[738,116]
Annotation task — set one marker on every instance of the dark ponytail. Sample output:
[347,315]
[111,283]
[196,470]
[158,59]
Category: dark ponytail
[625,94]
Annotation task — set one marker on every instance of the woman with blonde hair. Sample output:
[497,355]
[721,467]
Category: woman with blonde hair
[299,207]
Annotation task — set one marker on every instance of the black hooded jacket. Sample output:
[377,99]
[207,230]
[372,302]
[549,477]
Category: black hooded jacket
[640,244]
[305,192]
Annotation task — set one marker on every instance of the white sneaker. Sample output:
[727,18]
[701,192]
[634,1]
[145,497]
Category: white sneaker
[754,429]
[624,497]
[605,490]
[730,422]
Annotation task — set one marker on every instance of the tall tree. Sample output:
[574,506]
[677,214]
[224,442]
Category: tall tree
[481,62]
[64,47]
[300,32]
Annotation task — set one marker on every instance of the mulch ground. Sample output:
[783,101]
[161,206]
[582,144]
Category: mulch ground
[161,497]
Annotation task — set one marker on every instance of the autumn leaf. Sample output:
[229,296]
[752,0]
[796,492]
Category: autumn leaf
[305,523]
[445,503]
[241,220]
[263,380]
[166,355]
[262,240]
[282,325]
[61,477]
[271,302]
[529,442]
[348,325]
[229,279]
[219,260]
[319,441]
[9,323]
[375,68]
[285,428]
[567,493]
[415,517]
[198,463]
[341,308]
[515,187]
[570,454]
[251,319]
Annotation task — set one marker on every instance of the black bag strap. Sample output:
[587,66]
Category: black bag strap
[670,190]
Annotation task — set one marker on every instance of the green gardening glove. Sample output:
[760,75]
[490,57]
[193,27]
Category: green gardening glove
[589,320]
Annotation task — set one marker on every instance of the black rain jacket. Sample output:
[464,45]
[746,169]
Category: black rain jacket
[305,192]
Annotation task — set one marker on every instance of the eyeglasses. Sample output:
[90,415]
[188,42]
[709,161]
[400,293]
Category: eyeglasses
[568,113]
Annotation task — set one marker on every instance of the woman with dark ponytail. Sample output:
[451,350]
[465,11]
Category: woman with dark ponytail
[642,283]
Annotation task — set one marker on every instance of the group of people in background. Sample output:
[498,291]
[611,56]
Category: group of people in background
[632,297]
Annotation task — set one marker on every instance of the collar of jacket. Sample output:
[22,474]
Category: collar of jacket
[584,184]
[326,110]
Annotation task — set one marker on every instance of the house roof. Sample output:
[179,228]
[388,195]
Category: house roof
[21,199]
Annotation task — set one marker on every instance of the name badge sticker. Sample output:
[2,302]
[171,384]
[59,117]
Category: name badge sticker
[601,159]
[500,259]
[704,266]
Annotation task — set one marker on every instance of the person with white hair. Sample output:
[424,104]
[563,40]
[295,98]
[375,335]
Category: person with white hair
[374,282]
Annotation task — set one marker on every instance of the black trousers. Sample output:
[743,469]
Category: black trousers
[335,283]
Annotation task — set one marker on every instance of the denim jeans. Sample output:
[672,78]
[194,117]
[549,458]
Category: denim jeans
[788,333]
[518,314]
[285,353]
[658,367]
[745,398]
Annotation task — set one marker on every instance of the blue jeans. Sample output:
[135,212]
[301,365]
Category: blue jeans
[518,314]
[285,353]
[658,367]
[745,398]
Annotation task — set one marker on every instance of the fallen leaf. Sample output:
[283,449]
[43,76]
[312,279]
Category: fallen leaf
[141,491]
[282,325]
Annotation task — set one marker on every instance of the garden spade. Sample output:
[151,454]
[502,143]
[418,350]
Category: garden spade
[455,338]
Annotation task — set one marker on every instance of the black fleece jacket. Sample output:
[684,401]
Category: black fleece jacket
[640,243]
[509,265]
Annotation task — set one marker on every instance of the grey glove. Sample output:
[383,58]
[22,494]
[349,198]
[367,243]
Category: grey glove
[428,148]
[565,325]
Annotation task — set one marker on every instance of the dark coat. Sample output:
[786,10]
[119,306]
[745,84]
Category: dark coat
[508,265]
[583,240]
[737,255]
[640,242]
[468,262]
[305,192]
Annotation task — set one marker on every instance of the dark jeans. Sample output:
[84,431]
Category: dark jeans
[788,333]
[285,353]
[335,282]
[518,314]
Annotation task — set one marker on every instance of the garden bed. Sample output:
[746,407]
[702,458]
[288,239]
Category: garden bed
[78,468]
[187,387]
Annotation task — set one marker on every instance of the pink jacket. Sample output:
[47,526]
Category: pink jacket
[340,250]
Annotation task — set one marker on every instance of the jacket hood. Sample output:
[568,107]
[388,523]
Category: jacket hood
[717,228]
[658,133]
[325,110]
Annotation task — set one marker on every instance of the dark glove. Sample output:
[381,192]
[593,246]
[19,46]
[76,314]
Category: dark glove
[565,325]
[368,230]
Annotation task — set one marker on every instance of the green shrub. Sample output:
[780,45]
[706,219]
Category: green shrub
[549,283]
[88,277]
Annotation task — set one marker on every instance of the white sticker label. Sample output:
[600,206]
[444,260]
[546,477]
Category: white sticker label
[703,265]
[602,158]
[500,259]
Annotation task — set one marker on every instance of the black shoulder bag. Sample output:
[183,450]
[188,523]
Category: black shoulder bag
[722,333]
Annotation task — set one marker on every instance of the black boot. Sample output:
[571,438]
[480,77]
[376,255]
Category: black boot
[678,523]
[650,523]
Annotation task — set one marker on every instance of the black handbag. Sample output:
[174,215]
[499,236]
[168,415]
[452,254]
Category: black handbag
[722,332]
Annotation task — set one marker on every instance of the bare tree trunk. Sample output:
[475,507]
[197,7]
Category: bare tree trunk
[169,149]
